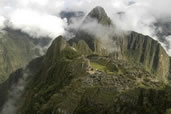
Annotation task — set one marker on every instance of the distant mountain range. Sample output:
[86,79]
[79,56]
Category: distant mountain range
[17,49]
[69,15]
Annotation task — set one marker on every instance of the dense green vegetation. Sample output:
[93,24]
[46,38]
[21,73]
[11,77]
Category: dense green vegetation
[114,86]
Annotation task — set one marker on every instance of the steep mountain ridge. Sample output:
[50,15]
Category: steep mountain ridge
[59,88]
[131,46]
[16,50]
[99,14]
[81,76]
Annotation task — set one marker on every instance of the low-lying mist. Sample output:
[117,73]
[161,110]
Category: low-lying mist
[14,95]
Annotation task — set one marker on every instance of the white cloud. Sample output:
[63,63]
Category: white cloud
[139,15]
[103,33]
[168,39]
[37,24]
[2,20]
[35,17]
[41,17]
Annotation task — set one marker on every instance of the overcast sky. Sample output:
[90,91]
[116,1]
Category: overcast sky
[41,17]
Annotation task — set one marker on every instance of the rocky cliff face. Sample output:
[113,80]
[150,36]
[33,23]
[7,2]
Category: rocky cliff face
[82,76]
[150,53]
[16,50]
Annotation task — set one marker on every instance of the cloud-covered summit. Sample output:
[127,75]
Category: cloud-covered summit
[42,17]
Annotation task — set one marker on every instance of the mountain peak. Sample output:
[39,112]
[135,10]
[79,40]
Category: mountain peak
[99,14]
[98,10]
